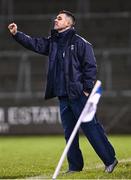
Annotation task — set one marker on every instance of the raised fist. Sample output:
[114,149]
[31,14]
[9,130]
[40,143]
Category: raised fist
[12,28]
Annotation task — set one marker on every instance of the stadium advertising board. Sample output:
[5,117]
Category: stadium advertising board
[30,120]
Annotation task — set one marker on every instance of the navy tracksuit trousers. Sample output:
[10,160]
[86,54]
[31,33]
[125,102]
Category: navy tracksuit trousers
[70,111]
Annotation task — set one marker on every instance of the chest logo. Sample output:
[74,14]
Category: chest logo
[72,47]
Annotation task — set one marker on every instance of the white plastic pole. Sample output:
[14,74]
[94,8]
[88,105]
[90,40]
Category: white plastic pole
[66,150]
[98,83]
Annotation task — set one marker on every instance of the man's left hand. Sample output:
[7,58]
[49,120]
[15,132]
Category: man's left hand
[86,93]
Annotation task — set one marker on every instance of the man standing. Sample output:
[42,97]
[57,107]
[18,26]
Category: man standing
[71,76]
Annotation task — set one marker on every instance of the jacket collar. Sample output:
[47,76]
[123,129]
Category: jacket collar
[70,32]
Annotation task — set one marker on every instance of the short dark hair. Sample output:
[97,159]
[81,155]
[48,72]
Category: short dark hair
[69,14]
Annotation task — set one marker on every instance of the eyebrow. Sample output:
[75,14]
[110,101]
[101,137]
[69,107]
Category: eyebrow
[59,17]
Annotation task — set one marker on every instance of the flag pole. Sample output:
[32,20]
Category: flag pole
[84,112]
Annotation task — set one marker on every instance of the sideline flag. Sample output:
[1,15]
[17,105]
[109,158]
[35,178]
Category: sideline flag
[91,104]
[86,116]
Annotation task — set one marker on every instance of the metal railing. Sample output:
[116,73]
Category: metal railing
[24,73]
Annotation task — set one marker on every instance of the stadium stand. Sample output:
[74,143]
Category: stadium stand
[106,24]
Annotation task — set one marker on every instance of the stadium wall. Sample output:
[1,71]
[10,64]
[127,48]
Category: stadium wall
[106,24]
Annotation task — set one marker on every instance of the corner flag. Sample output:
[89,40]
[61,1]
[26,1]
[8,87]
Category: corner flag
[91,105]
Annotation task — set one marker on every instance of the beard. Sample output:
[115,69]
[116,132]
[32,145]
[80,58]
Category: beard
[60,29]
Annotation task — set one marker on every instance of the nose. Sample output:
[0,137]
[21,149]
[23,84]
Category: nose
[55,20]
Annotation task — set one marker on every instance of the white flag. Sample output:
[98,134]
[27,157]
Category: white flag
[91,105]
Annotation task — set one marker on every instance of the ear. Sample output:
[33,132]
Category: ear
[69,23]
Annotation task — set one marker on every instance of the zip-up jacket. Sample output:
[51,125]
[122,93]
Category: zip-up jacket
[79,61]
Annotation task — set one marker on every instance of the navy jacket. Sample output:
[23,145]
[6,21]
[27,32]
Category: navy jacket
[80,63]
[59,77]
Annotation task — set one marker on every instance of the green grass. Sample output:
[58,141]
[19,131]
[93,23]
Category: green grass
[22,157]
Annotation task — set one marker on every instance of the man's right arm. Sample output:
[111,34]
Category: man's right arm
[39,45]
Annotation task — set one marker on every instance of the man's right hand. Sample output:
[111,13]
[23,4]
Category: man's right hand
[12,28]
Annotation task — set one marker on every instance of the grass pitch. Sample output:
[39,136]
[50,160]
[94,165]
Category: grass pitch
[24,157]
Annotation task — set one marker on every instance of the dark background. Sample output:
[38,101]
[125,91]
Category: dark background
[104,23]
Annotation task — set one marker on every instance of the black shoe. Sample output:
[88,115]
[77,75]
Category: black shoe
[71,171]
[110,168]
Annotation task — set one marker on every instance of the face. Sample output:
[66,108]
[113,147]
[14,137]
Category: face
[62,22]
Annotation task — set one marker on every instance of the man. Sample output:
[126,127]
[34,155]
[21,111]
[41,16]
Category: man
[71,76]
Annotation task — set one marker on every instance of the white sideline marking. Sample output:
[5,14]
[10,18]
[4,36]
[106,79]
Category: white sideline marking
[98,166]
[39,177]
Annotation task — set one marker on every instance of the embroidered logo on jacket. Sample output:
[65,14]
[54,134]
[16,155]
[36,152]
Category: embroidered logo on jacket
[72,47]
